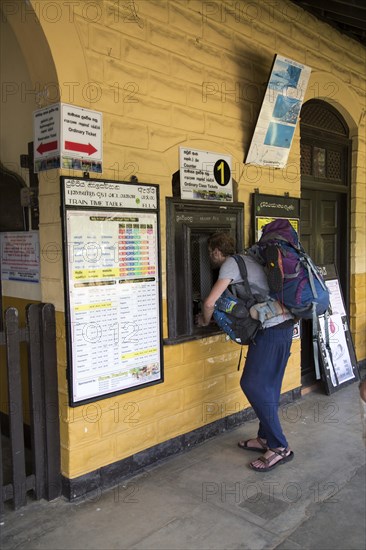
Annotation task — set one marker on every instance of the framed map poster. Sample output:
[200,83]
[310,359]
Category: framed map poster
[112,287]
[279,114]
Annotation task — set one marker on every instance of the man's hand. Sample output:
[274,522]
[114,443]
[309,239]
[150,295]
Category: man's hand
[204,318]
[201,321]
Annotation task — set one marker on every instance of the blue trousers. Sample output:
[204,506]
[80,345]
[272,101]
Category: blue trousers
[262,379]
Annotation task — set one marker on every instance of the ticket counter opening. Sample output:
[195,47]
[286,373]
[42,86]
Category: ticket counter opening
[189,273]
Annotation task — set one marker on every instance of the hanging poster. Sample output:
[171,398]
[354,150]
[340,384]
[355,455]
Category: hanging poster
[267,208]
[338,359]
[113,286]
[279,114]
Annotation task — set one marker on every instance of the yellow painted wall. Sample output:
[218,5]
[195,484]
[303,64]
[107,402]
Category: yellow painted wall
[184,73]
[17,96]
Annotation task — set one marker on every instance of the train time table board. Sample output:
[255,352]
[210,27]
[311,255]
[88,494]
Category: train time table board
[113,297]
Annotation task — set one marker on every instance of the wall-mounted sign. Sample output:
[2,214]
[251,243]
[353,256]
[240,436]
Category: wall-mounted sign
[205,175]
[20,256]
[278,117]
[108,194]
[276,206]
[113,288]
[66,136]
[46,138]
[266,209]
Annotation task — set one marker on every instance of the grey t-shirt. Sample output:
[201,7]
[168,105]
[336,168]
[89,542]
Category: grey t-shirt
[257,280]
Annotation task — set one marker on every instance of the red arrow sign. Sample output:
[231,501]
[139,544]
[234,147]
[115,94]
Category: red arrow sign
[80,147]
[45,147]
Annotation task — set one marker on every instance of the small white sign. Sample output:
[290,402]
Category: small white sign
[70,137]
[46,128]
[336,301]
[20,256]
[81,147]
[338,362]
[205,175]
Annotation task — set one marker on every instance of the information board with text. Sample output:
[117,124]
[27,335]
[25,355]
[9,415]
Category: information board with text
[113,297]
[205,175]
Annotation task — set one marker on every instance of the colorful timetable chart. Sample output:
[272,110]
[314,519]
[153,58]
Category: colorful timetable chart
[114,298]
[101,247]
[113,287]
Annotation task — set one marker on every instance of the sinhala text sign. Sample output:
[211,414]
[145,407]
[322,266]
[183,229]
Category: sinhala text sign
[19,256]
[113,289]
[267,208]
[68,136]
[205,175]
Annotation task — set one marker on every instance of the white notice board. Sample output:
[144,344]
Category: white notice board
[113,296]
[19,256]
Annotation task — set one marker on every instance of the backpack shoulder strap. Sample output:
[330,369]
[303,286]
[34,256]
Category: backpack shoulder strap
[265,310]
[243,272]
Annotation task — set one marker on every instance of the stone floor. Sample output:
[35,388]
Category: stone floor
[208,497]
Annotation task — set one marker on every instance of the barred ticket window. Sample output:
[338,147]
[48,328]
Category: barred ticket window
[189,274]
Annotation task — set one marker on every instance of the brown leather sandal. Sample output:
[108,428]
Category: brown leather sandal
[244,445]
[268,461]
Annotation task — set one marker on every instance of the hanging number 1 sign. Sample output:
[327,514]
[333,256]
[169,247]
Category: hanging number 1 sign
[205,175]
[222,172]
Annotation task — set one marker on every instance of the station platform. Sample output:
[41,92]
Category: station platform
[209,498]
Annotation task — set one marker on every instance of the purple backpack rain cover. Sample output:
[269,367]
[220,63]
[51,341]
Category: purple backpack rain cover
[303,287]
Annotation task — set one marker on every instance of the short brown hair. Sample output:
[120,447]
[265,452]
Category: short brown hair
[223,241]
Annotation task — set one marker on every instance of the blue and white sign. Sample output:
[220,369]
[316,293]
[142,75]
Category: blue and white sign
[276,124]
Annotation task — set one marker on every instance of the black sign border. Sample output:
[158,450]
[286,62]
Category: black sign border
[262,211]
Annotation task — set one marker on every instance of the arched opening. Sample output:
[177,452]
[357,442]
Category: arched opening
[26,69]
[325,182]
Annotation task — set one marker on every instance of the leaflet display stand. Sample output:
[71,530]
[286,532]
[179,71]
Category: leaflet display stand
[337,355]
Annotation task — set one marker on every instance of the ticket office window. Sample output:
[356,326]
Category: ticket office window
[189,273]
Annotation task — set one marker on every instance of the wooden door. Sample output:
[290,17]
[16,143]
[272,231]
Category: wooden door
[324,224]
[323,232]
[323,229]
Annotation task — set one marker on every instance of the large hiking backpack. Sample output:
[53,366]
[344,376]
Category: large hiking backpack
[232,313]
[303,290]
